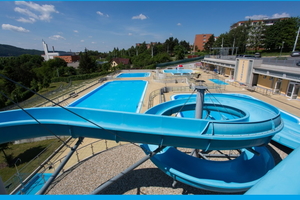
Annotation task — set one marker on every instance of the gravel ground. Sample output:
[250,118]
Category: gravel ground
[86,176]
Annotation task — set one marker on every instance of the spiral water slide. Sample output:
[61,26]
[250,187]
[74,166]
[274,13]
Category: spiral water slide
[252,126]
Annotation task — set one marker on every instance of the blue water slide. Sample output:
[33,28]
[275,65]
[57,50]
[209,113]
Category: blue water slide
[254,123]
[143,128]
[237,175]
[289,136]
[284,179]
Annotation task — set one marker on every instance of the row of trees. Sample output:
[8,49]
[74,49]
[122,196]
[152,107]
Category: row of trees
[258,36]
[35,73]
[31,71]
[147,56]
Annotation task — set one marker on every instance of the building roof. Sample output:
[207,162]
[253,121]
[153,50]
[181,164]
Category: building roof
[124,61]
[267,21]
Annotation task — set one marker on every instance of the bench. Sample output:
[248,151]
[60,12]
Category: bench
[73,94]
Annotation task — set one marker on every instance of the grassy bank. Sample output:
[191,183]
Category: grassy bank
[25,153]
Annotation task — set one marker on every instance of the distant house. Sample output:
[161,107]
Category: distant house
[116,61]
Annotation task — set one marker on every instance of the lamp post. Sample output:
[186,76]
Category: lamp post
[16,165]
[281,48]
[295,44]
[18,173]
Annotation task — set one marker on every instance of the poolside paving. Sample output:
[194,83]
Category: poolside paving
[94,164]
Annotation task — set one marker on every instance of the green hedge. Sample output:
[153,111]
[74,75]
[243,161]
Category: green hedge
[78,77]
[179,61]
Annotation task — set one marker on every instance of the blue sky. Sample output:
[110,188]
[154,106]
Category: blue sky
[104,25]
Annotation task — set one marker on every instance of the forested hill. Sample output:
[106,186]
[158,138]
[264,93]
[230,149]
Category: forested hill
[8,50]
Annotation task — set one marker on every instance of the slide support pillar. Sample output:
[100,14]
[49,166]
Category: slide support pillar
[199,101]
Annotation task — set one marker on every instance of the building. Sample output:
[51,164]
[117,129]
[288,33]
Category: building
[256,29]
[116,61]
[257,76]
[69,57]
[265,21]
[200,41]
[147,45]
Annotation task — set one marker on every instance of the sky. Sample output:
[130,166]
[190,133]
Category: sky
[105,25]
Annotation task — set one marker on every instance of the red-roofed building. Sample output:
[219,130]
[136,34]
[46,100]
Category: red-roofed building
[116,61]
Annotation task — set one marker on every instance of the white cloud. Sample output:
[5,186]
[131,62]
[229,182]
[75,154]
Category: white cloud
[35,11]
[257,17]
[179,24]
[93,42]
[81,40]
[280,15]
[141,17]
[102,14]
[75,31]
[29,20]
[14,28]
[25,12]
[129,33]
[57,37]
[99,13]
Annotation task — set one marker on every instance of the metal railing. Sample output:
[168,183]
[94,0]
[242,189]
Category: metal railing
[23,175]
[262,90]
[18,181]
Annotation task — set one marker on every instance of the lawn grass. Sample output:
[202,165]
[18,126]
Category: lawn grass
[26,152]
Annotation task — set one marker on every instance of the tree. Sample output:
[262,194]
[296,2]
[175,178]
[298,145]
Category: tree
[239,37]
[170,45]
[185,44]
[282,31]
[162,57]
[179,52]
[86,63]
[3,147]
[209,44]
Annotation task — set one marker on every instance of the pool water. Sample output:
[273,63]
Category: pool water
[133,75]
[219,82]
[124,96]
[178,72]
[35,184]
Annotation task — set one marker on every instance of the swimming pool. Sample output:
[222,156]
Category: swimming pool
[178,71]
[133,75]
[35,184]
[219,82]
[124,96]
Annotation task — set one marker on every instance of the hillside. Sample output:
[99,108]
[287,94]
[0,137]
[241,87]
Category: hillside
[8,50]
